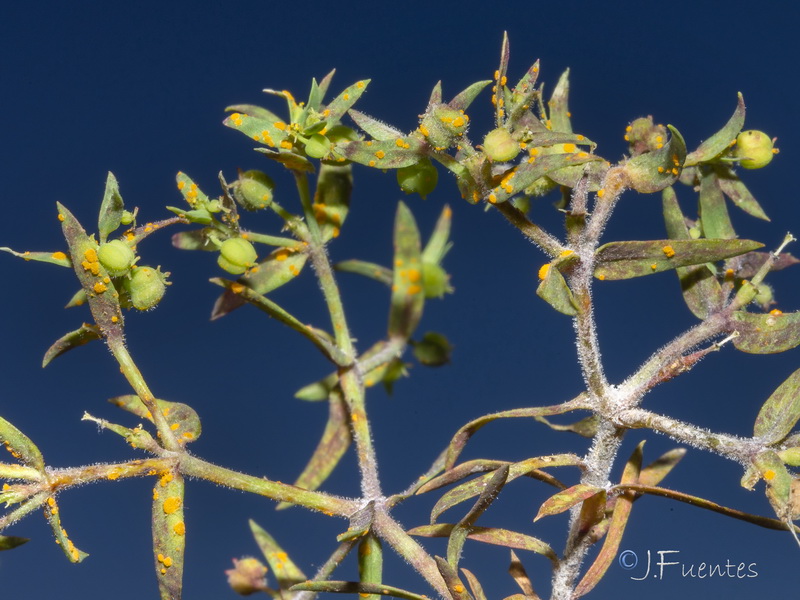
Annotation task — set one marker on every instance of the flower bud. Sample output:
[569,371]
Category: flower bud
[442,125]
[318,146]
[499,146]
[236,255]
[116,256]
[435,280]
[643,136]
[754,148]
[253,191]
[433,350]
[247,576]
[420,178]
[145,287]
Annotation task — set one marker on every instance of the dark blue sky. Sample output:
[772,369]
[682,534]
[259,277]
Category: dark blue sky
[139,89]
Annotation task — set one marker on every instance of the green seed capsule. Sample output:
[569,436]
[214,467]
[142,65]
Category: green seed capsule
[116,256]
[499,146]
[435,280]
[433,350]
[420,178]
[145,287]
[754,148]
[253,191]
[236,255]
[443,125]
[318,146]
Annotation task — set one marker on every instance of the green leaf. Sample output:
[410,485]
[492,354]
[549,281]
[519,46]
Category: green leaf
[332,198]
[522,95]
[194,240]
[464,98]
[558,105]
[499,98]
[408,297]
[111,209]
[779,483]
[55,258]
[20,446]
[534,168]
[289,159]
[766,333]
[9,542]
[624,260]
[713,211]
[103,298]
[278,268]
[367,269]
[169,534]
[370,563]
[189,189]
[586,427]
[655,472]
[554,290]
[14,471]
[721,140]
[780,412]
[490,535]
[474,585]
[256,123]
[454,584]
[388,154]
[373,127]
[335,110]
[182,418]
[284,569]
[566,499]
[653,171]
[83,335]
[737,191]
[616,528]
[330,449]
[517,571]
[52,513]
[701,290]
[438,244]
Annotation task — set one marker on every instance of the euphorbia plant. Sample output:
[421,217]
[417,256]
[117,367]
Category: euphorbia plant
[531,150]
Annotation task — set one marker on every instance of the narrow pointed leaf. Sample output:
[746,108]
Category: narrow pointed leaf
[655,472]
[439,244]
[737,191]
[277,269]
[408,297]
[20,446]
[373,127]
[624,260]
[653,171]
[335,110]
[55,258]
[779,483]
[499,98]
[111,209]
[566,499]
[780,412]
[464,98]
[389,154]
[15,471]
[522,95]
[747,265]
[436,94]
[9,542]
[766,333]
[182,418]
[701,290]
[586,427]
[367,269]
[83,335]
[289,159]
[531,170]
[51,512]
[332,446]
[559,105]
[713,210]
[452,580]
[370,563]
[257,123]
[616,528]
[103,298]
[332,198]
[517,571]
[325,83]
[474,585]
[490,535]
[721,140]
[286,572]
[554,290]
[169,534]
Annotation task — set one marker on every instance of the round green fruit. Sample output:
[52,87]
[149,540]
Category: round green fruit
[499,146]
[253,191]
[116,257]
[420,178]
[318,146]
[754,148]
[236,255]
[145,287]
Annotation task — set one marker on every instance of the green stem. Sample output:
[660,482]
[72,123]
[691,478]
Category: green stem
[549,244]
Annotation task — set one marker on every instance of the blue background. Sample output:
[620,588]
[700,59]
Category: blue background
[139,89]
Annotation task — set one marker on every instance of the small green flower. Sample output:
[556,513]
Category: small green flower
[253,191]
[145,287]
[499,146]
[236,255]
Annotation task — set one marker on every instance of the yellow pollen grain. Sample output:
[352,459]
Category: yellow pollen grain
[280,125]
[601,192]
[51,502]
[601,277]
[179,528]
[155,494]
[492,199]
[171,504]
[115,319]
[281,255]
[380,154]
[237,288]
[413,275]
[569,148]
[112,476]
[545,268]
[459,122]
[654,266]
[372,163]
[414,289]
[99,287]
[497,74]
[294,270]
[346,97]
[769,474]
[181,185]
[674,171]
[775,312]
[286,145]
[660,169]
[90,255]
[175,426]
[458,588]
[167,561]
[668,251]
[423,130]
[58,255]
[60,217]
[566,252]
